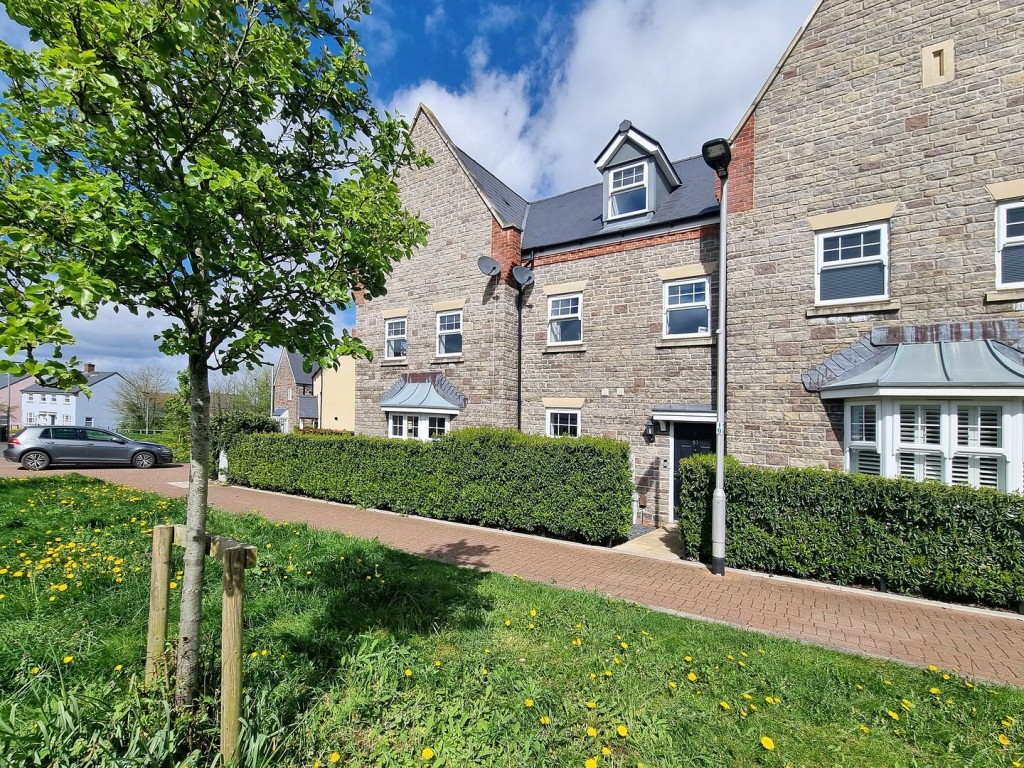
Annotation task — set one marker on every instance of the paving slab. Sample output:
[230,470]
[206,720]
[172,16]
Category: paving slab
[985,644]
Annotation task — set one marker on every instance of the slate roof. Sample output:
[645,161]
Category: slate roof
[91,379]
[427,391]
[301,377]
[576,216]
[509,205]
[309,408]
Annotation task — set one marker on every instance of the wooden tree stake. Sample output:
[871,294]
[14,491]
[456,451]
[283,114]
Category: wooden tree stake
[159,585]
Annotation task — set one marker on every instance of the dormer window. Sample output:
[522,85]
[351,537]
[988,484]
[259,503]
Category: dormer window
[627,193]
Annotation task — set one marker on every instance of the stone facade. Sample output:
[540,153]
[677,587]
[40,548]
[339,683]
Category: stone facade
[853,119]
[623,367]
[462,229]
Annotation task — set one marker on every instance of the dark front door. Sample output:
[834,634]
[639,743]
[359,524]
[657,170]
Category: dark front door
[688,438]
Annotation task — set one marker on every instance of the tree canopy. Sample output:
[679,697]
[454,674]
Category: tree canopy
[217,162]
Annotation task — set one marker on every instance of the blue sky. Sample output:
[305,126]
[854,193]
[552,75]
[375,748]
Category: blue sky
[534,89]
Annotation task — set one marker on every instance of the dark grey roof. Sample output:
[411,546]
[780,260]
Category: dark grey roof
[91,379]
[309,408]
[576,216]
[281,411]
[509,206]
[301,377]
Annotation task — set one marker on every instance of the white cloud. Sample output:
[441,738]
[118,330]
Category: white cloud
[435,19]
[683,71]
[489,119]
[500,17]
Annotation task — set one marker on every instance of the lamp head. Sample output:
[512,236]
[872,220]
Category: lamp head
[717,154]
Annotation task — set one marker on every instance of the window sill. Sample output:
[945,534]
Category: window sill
[696,341]
[555,349]
[446,360]
[1004,294]
[393,363]
[866,308]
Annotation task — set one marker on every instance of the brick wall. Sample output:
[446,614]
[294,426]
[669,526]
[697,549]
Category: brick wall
[848,124]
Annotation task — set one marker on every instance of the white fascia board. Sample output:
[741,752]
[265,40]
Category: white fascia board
[429,411]
[944,393]
[652,148]
[693,418]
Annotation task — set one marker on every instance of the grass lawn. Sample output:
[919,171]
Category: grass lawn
[364,656]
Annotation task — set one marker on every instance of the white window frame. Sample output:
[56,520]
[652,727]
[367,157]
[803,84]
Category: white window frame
[389,337]
[889,444]
[863,445]
[666,308]
[821,266]
[88,421]
[29,398]
[618,189]
[578,315]
[443,333]
[404,425]
[1002,240]
[551,412]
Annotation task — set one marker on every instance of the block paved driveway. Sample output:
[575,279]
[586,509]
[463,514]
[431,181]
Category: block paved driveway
[984,644]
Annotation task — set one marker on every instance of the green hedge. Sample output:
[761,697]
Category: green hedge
[947,542]
[578,489]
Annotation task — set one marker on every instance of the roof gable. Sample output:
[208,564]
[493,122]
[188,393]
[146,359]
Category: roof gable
[642,145]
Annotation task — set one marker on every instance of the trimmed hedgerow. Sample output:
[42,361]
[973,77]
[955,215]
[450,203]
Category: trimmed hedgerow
[948,542]
[572,488]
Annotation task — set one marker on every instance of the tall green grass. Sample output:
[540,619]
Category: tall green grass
[370,657]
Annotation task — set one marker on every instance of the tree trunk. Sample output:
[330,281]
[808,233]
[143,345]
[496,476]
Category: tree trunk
[195,557]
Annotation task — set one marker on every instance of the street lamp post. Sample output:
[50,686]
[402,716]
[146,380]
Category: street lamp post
[717,155]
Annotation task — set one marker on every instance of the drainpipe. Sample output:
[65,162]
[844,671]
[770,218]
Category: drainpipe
[519,360]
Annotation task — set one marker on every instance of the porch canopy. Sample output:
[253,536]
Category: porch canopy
[980,368]
[423,393]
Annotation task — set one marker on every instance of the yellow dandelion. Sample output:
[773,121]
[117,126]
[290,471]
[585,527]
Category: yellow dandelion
[905,703]
[173,585]
[691,676]
[747,696]
[437,663]
[767,743]
[533,613]
[932,668]
[591,731]
[528,702]
[865,729]
[605,751]
[687,658]
[427,754]
[34,670]
[724,705]
[623,731]
[254,655]
[893,715]
[624,645]
[934,691]
[578,642]
[118,667]
[334,756]
[508,622]
[408,673]
[672,684]
[590,763]
[1003,739]
[591,705]
[607,673]
[545,720]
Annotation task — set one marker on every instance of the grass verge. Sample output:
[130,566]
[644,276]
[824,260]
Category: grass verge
[362,655]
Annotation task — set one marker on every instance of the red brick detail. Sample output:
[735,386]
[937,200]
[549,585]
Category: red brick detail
[506,248]
[620,246]
[359,297]
[741,170]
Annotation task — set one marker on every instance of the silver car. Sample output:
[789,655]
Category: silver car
[40,446]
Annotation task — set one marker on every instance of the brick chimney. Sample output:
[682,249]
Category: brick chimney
[89,368]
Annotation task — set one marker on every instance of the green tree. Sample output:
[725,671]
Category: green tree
[219,162]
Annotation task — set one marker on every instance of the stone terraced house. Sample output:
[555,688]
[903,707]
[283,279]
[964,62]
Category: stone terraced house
[875,287]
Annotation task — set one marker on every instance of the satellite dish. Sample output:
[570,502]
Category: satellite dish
[522,275]
[488,266]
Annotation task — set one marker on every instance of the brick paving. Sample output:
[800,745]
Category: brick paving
[984,644]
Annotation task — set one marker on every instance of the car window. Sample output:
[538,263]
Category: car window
[99,436]
[44,434]
[64,433]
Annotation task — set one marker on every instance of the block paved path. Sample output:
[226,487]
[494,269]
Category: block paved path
[983,644]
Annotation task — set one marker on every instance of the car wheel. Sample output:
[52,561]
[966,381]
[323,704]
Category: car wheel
[35,460]
[143,460]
